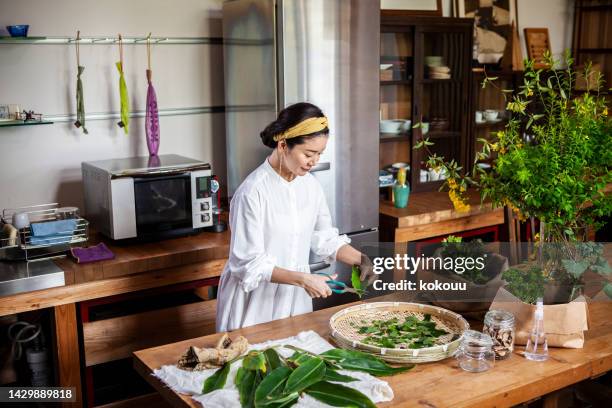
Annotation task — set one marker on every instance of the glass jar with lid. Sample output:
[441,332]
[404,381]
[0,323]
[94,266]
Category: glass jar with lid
[475,354]
[499,324]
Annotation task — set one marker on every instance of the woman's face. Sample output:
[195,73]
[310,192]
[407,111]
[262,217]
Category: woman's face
[301,158]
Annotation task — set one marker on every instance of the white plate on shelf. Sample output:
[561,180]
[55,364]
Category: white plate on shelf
[495,120]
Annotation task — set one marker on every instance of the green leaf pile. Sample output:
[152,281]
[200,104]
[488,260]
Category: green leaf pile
[266,379]
[412,333]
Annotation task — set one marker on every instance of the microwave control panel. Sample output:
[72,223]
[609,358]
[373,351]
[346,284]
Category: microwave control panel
[201,198]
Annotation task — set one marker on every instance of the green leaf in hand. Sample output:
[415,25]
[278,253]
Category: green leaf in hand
[217,380]
[338,395]
[308,373]
[355,280]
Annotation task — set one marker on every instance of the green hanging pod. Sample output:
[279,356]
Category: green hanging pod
[123,93]
[125,105]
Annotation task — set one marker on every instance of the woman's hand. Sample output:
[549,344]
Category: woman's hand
[316,286]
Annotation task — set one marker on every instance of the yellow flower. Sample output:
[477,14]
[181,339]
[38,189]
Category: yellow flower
[459,202]
[529,92]
[605,111]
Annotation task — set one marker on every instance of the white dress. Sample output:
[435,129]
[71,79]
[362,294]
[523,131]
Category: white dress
[273,222]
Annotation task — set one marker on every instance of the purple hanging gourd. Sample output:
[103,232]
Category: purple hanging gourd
[152,116]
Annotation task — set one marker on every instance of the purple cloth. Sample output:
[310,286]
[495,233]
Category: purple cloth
[94,253]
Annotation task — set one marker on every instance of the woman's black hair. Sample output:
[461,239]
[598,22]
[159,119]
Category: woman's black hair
[289,117]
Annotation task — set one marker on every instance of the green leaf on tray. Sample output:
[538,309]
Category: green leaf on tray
[333,375]
[217,380]
[255,360]
[308,373]
[270,390]
[338,395]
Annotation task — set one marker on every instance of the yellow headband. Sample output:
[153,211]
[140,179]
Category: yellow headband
[305,127]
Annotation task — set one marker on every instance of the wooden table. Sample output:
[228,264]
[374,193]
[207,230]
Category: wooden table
[441,384]
[135,268]
[432,214]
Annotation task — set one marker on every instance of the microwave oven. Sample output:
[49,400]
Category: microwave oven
[147,198]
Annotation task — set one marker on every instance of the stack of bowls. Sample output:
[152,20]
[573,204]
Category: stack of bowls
[436,67]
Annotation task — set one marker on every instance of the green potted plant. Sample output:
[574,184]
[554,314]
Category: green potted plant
[551,163]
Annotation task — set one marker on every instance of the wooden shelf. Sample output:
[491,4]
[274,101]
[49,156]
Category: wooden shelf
[392,137]
[440,81]
[441,134]
[594,50]
[399,82]
[485,125]
[22,123]
[595,7]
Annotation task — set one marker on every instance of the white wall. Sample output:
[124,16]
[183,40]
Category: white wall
[556,15]
[42,163]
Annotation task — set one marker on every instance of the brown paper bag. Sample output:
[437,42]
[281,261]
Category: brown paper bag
[564,324]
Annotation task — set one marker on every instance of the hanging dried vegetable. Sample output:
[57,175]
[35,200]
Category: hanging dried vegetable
[80,102]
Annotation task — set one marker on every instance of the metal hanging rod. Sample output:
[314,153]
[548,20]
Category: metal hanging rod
[110,40]
[139,114]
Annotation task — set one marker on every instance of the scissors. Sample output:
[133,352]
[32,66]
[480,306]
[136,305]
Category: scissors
[337,286]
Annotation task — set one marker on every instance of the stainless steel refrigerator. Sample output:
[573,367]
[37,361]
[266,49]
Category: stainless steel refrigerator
[279,52]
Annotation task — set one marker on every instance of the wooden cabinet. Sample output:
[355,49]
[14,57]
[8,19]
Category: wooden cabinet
[425,79]
[489,98]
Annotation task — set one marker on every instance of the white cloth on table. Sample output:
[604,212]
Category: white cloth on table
[190,382]
[273,222]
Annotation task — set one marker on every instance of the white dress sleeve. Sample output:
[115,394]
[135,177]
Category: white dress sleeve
[248,261]
[326,240]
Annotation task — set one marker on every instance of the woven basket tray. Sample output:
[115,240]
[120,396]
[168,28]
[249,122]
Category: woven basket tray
[345,325]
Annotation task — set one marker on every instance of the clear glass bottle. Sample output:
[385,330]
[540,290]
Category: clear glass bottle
[475,354]
[499,324]
[537,344]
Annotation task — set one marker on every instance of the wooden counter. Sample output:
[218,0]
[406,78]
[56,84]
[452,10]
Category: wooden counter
[136,267]
[441,384]
[432,214]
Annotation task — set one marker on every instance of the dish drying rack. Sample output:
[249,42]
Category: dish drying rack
[22,248]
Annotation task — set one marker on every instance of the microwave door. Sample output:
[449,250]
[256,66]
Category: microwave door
[163,205]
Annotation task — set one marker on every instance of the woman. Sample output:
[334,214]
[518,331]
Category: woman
[277,216]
